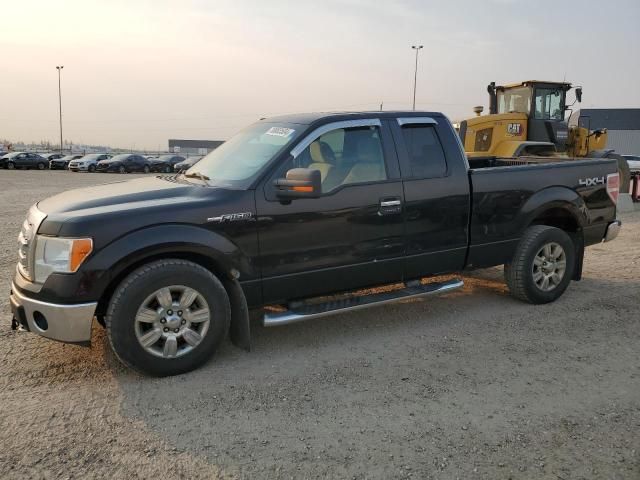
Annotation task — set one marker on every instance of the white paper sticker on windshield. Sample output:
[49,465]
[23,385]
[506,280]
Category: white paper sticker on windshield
[280,131]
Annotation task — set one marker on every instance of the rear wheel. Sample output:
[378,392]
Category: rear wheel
[542,266]
[41,166]
[168,317]
[122,169]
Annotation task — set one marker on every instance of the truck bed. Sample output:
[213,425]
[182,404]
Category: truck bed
[476,163]
[508,193]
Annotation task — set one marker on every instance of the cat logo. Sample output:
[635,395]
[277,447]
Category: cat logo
[514,128]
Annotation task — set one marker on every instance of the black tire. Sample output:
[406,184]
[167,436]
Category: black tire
[11,165]
[519,274]
[167,169]
[131,294]
[92,168]
[146,169]
[122,169]
[41,166]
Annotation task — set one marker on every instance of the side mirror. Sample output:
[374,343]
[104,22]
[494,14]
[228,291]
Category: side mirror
[299,183]
[579,94]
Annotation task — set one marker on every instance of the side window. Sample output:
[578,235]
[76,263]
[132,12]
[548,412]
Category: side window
[345,156]
[548,104]
[426,156]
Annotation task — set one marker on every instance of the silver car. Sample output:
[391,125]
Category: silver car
[88,162]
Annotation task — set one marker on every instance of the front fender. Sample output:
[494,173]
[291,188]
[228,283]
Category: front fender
[168,239]
[107,264]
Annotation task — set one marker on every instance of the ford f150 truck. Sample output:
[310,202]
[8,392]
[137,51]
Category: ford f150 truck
[299,212]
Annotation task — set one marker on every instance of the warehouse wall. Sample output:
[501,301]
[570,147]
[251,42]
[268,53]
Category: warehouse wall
[626,142]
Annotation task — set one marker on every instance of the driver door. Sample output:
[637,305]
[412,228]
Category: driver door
[353,234]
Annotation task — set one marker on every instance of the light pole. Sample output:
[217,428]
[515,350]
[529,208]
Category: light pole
[415,75]
[59,68]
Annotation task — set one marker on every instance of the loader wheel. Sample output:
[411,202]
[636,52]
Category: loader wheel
[542,265]
[167,317]
[623,170]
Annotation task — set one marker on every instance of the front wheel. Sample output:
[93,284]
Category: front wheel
[146,169]
[542,265]
[41,166]
[168,317]
[11,165]
[167,169]
[92,168]
[122,169]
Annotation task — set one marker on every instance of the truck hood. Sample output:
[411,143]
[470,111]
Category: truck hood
[113,209]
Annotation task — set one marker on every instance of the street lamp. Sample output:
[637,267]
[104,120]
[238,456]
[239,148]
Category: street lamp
[59,68]
[415,75]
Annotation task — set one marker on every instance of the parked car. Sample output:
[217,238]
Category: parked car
[633,161]
[165,163]
[51,156]
[124,163]
[63,162]
[88,163]
[291,211]
[23,160]
[188,163]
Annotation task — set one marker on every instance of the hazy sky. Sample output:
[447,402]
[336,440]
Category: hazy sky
[139,72]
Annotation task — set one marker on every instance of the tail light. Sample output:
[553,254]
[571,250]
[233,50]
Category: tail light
[613,187]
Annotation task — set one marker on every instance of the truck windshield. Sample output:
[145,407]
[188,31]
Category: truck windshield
[240,159]
[514,100]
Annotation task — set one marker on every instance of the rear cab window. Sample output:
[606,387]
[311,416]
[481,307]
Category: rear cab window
[425,154]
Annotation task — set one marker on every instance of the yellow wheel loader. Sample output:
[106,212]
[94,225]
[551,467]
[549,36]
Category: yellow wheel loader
[527,119]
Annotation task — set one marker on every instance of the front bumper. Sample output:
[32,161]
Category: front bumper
[78,168]
[613,229]
[65,323]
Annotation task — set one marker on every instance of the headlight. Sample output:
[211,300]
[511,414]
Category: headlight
[59,255]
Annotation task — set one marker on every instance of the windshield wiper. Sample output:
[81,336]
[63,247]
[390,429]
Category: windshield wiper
[198,175]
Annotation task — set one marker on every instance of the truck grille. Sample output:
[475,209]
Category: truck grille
[26,242]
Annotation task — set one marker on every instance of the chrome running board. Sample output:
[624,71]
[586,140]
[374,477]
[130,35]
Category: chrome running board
[301,311]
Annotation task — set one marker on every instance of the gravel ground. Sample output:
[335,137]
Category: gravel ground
[470,385]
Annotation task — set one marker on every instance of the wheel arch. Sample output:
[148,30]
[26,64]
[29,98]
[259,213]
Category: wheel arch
[562,208]
[225,262]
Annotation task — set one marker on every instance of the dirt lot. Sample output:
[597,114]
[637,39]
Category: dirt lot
[470,385]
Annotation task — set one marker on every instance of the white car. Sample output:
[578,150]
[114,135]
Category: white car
[88,163]
[633,161]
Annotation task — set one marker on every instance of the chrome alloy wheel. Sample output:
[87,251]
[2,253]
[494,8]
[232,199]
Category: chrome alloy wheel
[172,321]
[549,266]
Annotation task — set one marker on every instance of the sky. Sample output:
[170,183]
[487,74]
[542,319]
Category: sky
[139,72]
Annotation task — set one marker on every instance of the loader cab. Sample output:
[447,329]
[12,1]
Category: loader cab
[544,104]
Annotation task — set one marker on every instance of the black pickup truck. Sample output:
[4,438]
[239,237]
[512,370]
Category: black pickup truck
[292,209]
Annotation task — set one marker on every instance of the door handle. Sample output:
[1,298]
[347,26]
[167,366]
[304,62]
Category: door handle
[390,206]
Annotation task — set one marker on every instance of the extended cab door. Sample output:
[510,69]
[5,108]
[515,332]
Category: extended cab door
[436,195]
[350,237]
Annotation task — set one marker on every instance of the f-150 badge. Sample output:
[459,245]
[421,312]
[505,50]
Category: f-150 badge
[230,217]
